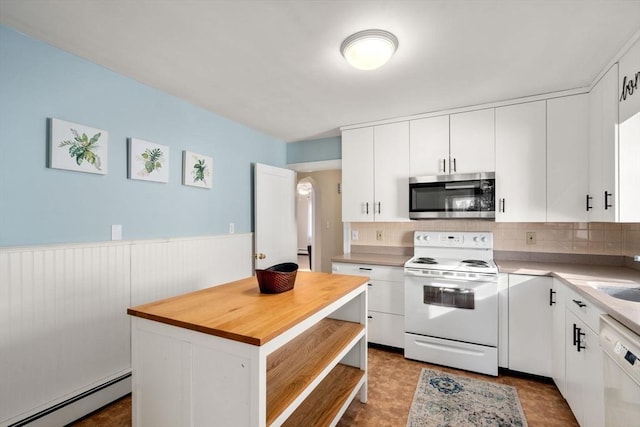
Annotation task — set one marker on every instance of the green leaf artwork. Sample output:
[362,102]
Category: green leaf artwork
[83,148]
[196,169]
[152,159]
[148,161]
[199,169]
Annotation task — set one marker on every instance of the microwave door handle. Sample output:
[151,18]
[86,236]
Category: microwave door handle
[459,186]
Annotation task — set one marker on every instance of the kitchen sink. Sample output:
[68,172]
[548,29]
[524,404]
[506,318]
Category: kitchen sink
[627,294]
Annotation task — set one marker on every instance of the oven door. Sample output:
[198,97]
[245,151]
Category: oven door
[461,310]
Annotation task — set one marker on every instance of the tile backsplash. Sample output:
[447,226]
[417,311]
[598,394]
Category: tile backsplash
[598,238]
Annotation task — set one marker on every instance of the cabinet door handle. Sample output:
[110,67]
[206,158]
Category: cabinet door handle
[365,268]
[579,345]
[367,208]
[378,208]
[369,317]
[369,284]
[551,293]
[589,207]
[606,199]
[579,303]
[575,334]
[454,165]
[444,165]
[500,205]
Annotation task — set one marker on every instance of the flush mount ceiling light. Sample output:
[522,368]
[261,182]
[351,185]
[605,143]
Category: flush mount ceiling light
[369,49]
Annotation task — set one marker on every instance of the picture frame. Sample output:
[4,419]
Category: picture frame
[77,147]
[148,161]
[197,170]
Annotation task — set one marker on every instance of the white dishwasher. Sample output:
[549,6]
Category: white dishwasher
[621,361]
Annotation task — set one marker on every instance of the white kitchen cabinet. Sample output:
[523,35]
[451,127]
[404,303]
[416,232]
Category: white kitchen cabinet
[391,172]
[584,386]
[558,344]
[456,143]
[614,148]
[628,206]
[385,293]
[521,162]
[375,173]
[472,141]
[567,158]
[603,120]
[429,146]
[357,175]
[530,324]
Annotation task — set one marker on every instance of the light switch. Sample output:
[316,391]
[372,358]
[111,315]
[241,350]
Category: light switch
[116,232]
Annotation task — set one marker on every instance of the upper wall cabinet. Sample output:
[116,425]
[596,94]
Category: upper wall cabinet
[375,173]
[628,205]
[456,143]
[521,162]
[614,144]
[603,119]
[472,141]
[429,146]
[567,158]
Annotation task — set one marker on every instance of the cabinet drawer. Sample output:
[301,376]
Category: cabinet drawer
[375,272]
[584,309]
[386,297]
[385,329]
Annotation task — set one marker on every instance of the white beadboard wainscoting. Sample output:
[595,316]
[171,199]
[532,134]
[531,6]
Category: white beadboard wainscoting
[65,346]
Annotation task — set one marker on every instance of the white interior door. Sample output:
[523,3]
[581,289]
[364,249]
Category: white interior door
[275,233]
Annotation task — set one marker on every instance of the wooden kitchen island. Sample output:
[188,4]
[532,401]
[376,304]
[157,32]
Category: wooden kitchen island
[231,356]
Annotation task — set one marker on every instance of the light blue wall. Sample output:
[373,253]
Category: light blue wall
[314,150]
[40,205]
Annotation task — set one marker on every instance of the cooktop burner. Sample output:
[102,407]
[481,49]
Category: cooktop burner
[476,263]
[425,260]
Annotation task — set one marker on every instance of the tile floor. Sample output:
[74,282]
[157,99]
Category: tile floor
[392,382]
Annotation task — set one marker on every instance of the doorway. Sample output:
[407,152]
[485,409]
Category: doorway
[307,218]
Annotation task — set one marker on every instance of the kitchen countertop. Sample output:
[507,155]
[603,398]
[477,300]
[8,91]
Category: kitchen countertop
[582,278]
[370,258]
[238,311]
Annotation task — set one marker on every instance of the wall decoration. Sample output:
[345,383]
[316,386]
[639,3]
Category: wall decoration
[196,169]
[77,147]
[148,161]
[629,85]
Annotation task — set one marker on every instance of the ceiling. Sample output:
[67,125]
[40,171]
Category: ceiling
[275,65]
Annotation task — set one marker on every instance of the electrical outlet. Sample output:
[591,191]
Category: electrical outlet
[354,235]
[380,235]
[531,237]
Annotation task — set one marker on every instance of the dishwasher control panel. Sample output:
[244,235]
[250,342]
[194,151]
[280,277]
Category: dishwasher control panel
[622,345]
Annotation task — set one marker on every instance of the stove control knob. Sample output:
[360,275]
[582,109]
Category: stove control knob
[418,237]
[476,239]
[484,239]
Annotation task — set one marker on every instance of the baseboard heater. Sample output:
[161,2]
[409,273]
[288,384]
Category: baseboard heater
[102,395]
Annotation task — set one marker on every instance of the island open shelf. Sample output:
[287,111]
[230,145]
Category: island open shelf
[229,355]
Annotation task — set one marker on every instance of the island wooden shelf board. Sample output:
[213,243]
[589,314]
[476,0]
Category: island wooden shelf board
[229,355]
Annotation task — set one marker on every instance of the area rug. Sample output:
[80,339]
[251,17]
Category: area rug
[443,400]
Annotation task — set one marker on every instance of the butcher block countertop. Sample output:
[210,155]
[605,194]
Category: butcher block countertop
[583,279]
[238,311]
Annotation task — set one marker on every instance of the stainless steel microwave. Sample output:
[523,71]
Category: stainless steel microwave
[469,195]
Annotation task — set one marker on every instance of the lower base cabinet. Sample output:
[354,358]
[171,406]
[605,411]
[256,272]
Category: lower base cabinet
[530,328]
[584,384]
[385,294]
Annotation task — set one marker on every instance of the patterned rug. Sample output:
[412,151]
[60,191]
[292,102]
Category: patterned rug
[443,400]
